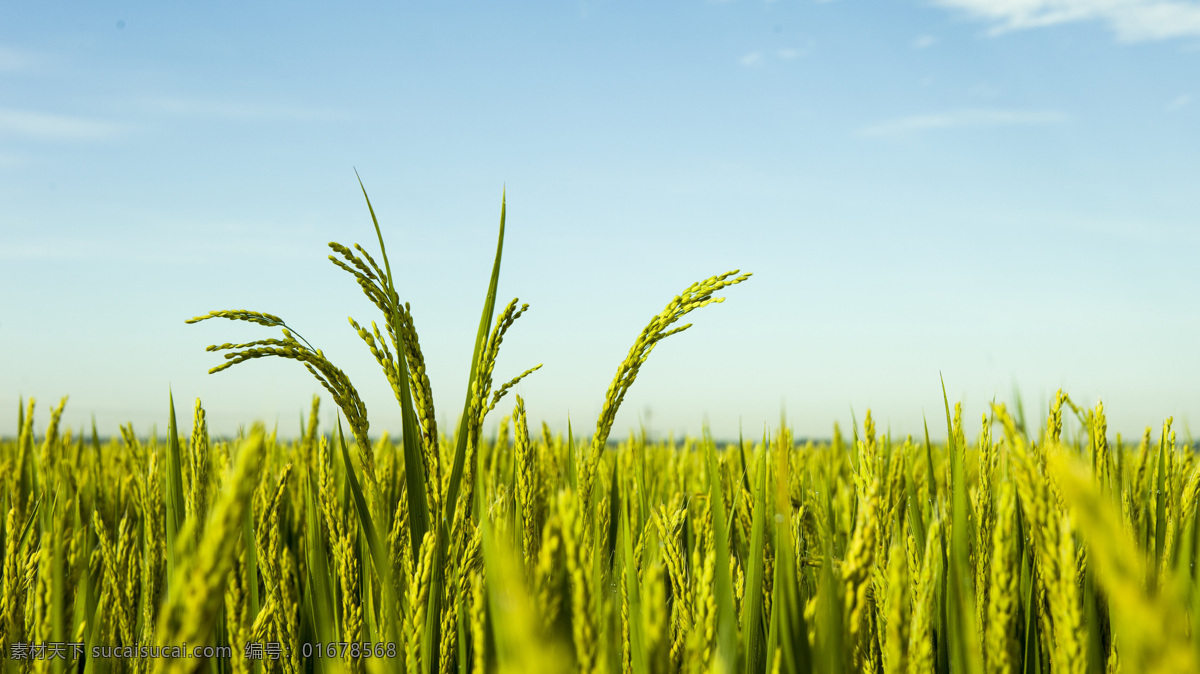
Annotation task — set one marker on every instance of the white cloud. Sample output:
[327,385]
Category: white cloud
[924,41]
[46,126]
[961,118]
[1131,20]
[240,111]
[754,58]
[1181,101]
[788,54]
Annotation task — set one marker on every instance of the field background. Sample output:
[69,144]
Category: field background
[1000,193]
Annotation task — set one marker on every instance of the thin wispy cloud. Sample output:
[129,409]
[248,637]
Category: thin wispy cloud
[129,247]
[961,119]
[1180,102]
[983,90]
[753,58]
[48,126]
[1131,20]
[924,42]
[759,57]
[13,60]
[61,250]
[1140,230]
[242,112]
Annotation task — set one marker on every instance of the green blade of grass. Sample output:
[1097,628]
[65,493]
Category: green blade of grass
[929,474]
[916,515]
[756,658]
[960,605]
[250,551]
[571,455]
[431,635]
[1031,649]
[57,591]
[742,454]
[637,640]
[174,495]
[485,321]
[1188,569]
[379,558]
[319,597]
[614,507]
[1091,604]
[831,637]
[854,454]
[776,624]
[787,605]
[96,440]
[639,476]
[1160,507]
[33,517]
[939,616]
[726,615]
[414,466]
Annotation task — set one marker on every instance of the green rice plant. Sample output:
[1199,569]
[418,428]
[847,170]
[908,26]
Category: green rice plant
[194,591]
[1071,571]
[431,503]
[1033,550]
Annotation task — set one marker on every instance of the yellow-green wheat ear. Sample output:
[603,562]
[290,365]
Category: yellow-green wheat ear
[695,296]
[197,587]
[240,315]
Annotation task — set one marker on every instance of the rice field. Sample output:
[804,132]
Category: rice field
[1022,549]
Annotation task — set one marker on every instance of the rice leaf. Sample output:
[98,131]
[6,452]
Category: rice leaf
[614,507]
[726,655]
[1160,506]
[414,467]
[174,495]
[250,554]
[481,336]
[378,557]
[960,604]
[831,637]
[320,594]
[752,630]
[637,639]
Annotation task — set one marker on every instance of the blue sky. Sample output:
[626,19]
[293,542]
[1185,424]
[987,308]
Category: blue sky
[999,191]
